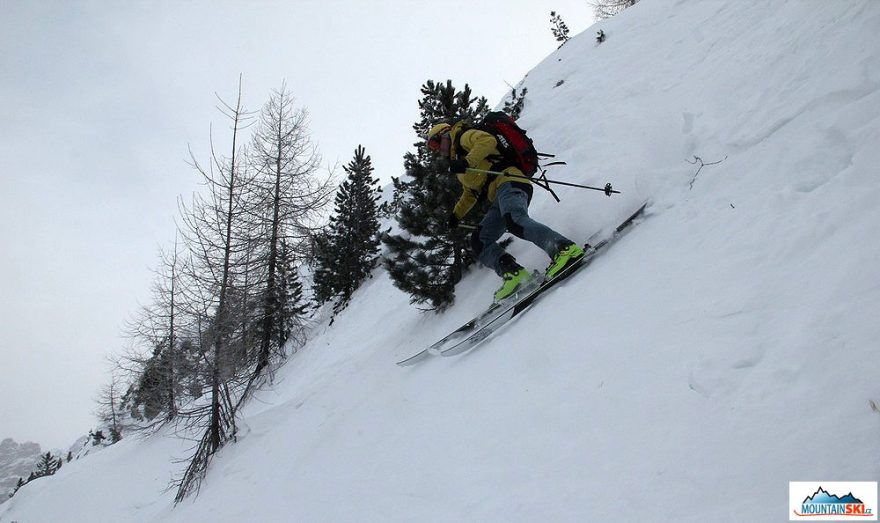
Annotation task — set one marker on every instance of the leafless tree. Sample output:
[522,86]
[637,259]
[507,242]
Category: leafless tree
[219,247]
[607,8]
[160,362]
[287,199]
[225,300]
[109,409]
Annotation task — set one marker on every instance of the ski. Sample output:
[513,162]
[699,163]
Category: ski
[516,308]
[522,305]
[474,324]
[483,325]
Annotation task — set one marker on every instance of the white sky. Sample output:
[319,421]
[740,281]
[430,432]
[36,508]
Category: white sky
[100,101]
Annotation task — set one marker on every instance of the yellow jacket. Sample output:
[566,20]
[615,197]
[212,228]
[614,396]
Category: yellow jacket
[481,152]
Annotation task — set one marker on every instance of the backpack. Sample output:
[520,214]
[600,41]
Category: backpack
[515,146]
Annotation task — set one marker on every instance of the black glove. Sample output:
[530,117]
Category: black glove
[458,166]
[452,222]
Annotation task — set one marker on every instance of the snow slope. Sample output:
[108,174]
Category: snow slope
[723,348]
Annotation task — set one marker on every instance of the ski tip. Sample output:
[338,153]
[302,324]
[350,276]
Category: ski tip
[415,358]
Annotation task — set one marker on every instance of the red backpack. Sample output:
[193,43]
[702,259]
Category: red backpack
[513,143]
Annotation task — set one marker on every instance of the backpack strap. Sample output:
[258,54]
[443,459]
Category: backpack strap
[456,142]
[498,162]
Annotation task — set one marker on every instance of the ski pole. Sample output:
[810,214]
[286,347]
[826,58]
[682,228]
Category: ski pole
[608,190]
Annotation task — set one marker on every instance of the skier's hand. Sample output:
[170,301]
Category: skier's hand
[452,222]
[458,166]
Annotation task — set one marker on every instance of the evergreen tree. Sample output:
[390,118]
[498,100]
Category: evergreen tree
[47,465]
[152,385]
[558,27]
[293,307]
[348,249]
[514,105]
[97,437]
[428,260]
[325,260]
[18,485]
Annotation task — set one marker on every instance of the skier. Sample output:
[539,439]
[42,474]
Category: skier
[471,148]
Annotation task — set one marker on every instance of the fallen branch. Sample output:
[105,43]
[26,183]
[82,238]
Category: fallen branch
[699,160]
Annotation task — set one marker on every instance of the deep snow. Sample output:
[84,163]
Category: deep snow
[723,348]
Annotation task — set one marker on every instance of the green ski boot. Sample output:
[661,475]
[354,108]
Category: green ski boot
[567,255]
[513,274]
[512,282]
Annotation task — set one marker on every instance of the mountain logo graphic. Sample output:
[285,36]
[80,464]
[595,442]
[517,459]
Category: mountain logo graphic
[824,503]
[822,496]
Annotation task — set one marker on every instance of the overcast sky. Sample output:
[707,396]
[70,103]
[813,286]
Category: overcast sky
[100,100]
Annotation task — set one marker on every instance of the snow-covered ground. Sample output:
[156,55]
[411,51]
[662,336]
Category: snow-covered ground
[726,346]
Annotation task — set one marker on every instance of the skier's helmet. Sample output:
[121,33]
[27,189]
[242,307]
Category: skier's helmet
[437,135]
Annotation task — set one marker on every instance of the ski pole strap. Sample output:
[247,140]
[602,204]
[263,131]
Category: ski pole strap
[608,189]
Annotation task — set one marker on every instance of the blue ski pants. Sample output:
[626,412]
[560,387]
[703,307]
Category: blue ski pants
[510,212]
